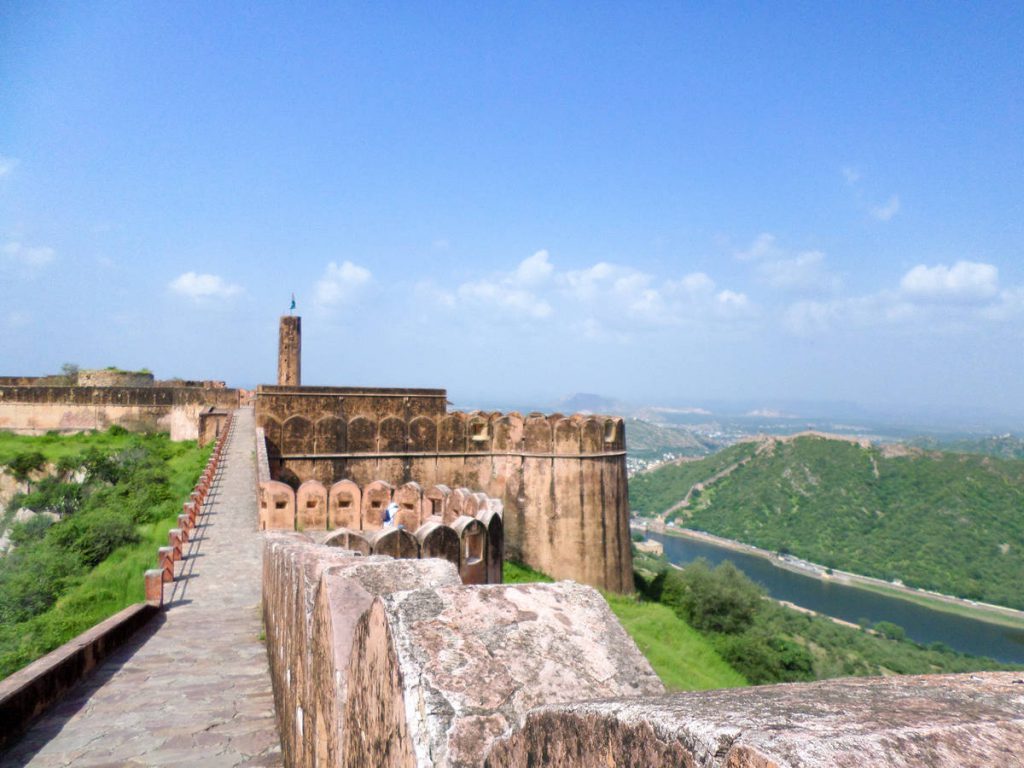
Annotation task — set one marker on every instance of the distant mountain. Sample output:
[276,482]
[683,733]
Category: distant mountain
[584,402]
[950,522]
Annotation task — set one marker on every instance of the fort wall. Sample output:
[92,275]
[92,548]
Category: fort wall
[388,662]
[561,479]
[35,410]
[114,378]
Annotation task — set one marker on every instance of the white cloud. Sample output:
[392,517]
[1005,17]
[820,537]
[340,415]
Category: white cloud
[850,174]
[340,283]
[887,210]
[27,256]
[937,299]
[500,295]
[732,299]
[965,281]
[203,286]
[7,164]
[507,294]
[804,271]
[534,269]
[764,245]
[605,301]
[782,269]
[694,283]
[1009,305]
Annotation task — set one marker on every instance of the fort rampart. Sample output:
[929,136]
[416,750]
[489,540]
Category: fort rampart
[561,479]
[394,663]
[37,409]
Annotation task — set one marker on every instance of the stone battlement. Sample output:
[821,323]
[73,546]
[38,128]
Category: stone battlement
[382,662]
[451,434]
[460,526]
[37,409]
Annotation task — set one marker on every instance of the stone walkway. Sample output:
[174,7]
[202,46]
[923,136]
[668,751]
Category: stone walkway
[193,688]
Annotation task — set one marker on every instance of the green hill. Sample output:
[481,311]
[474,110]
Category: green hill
[943,521]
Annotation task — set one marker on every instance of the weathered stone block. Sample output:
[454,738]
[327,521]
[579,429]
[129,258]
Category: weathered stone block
[895,722]
[313,596]
[436,675]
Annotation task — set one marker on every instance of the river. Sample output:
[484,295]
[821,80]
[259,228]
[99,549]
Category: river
[842,601]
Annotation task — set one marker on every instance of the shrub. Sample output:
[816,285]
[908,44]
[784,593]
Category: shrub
[720,600]
[763,658]
[25,463]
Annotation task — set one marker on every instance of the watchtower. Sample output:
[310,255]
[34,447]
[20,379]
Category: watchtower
[289,352]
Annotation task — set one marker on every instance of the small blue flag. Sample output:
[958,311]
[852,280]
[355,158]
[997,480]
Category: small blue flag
[292,307]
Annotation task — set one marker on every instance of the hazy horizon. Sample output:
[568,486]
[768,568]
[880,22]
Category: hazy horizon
[664,205]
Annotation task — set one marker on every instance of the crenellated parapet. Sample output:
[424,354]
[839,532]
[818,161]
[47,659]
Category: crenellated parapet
[313,435]
[561,478]
[462,526]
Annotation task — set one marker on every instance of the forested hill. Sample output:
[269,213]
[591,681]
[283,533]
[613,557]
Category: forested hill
[944,521]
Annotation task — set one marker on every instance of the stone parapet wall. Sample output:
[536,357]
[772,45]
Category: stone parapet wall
[940,721]
[36,410]
[314,403]
[313,596]
[389,662]
[463,527]
[384,430]
[562,479]
[32,690]
[107,378]
[392,663]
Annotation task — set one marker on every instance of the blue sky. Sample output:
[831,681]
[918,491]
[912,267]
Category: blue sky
[664,203]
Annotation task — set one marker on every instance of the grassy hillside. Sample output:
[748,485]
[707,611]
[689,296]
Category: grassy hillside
[771,643]
[650,493]
[943,521]
[117,493]
[683,659]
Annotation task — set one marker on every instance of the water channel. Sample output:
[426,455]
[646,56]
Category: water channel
[922,624]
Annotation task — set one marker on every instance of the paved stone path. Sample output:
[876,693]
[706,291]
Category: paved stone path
[193,688]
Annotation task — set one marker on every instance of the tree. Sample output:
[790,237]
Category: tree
[70,373]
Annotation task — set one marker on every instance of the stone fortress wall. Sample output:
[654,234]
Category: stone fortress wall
[36,409]
[460,526]
[561,479]
[385,662]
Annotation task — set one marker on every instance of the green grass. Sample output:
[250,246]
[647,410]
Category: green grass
[683,659]
[55,446]
[117,581]
[517,573]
